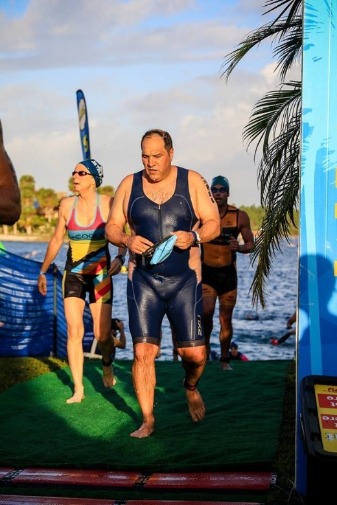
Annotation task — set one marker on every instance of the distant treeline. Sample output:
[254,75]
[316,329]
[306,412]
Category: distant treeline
[40,208]
[256,215]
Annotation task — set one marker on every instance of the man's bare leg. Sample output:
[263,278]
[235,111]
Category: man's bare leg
[209,300]
[226,307]
[194,361]
[144,381]
[195,403]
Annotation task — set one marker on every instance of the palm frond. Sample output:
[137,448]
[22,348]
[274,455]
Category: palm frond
[277,124]
[280,164]
[289,50]
[274,128]
[286,33]
[271,113]
[293,6]
[253,39]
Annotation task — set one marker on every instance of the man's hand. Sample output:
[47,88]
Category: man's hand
[138,244]
[185,239]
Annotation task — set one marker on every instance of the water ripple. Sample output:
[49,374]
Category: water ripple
[253,329]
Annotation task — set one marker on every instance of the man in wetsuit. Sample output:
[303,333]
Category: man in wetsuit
[219,274]
[160,200]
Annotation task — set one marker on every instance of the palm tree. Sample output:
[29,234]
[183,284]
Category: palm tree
[274,126]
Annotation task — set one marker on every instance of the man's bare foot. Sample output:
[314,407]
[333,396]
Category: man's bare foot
[145,430]
[109,380]
[76,398]
[196,405]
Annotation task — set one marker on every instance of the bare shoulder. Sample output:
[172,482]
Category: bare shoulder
[124,189]
[244,221]
[67,202]
[197,181]
[243,215]
[126,182]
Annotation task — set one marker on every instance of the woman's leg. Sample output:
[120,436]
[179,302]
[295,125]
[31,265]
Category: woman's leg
[73,308]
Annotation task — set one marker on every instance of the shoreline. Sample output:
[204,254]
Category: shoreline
[38,238]
[23,238]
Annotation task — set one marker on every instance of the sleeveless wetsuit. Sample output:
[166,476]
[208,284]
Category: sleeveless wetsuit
[169,287]
[218,261]
[88,259]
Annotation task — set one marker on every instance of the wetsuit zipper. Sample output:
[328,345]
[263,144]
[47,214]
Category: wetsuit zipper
[160,222]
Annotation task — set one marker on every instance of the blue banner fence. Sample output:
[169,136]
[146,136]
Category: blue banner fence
[32,324]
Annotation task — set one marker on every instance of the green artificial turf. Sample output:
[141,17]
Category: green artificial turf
[243,428]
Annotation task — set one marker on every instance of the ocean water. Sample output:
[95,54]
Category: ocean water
[254,328]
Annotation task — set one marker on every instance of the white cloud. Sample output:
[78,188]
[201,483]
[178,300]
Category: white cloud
[141,64]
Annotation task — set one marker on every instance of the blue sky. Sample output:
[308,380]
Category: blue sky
[142,64]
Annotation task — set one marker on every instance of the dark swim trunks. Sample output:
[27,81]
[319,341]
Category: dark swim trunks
[223,279]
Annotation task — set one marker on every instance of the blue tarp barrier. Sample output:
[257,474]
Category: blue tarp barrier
[32,324]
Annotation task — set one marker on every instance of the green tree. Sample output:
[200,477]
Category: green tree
[27,189]
[106,190]
[274,126]
[47,203]
[71,184]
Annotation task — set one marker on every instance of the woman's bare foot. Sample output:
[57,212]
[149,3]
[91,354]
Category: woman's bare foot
[109,380]
[76,398]
[196,405]
[145,430]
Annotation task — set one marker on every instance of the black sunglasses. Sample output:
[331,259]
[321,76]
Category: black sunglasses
[219,190]
[81,173]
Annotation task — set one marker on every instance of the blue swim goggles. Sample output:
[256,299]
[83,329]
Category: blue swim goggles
[159,251]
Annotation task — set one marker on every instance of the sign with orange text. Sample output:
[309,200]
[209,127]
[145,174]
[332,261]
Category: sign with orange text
[326,401]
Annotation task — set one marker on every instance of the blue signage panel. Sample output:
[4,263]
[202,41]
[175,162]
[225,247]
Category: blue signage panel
[317,300]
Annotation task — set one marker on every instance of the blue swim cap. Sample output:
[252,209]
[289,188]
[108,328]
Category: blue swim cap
[234,345]
[220,180]
[95,169]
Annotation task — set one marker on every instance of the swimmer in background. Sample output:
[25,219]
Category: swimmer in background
[219,268]
[118,335]
[292,331]
[236,354]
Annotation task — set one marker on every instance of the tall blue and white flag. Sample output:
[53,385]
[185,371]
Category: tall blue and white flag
[83,124]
